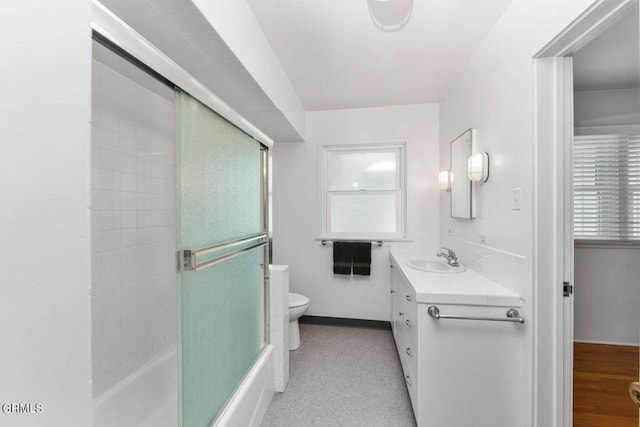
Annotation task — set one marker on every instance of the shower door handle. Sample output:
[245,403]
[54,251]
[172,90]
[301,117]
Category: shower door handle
[188,259]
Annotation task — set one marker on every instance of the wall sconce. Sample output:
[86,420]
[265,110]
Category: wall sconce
[445,180]
[478,167]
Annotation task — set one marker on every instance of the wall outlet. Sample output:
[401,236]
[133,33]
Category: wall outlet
[516,195]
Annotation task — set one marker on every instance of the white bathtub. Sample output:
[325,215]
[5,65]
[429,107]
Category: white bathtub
[148,397]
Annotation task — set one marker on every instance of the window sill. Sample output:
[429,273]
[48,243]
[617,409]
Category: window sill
[607,244]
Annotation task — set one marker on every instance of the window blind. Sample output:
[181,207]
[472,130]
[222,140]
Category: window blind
[606,183]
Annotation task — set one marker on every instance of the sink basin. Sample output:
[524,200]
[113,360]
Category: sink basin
[434,266]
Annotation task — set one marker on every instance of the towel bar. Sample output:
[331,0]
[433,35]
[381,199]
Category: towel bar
[513,315]
[330,242]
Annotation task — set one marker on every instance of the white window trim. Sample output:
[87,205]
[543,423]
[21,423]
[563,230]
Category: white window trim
[401,206]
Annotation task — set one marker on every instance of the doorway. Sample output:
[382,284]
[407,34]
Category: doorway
[581,288]
[606,117]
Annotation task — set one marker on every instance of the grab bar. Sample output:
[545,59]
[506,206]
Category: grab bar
[188,259]
[513,315]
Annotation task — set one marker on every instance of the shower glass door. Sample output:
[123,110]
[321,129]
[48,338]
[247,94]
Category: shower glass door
[222,245]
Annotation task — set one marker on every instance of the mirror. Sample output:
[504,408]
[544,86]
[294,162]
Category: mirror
[462,188]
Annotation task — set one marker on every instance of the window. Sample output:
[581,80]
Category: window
[606,180]
[362,191]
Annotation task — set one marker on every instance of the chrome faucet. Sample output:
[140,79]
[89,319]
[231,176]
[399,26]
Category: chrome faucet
[451,257]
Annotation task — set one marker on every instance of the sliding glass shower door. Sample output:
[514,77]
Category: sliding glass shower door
[222,258]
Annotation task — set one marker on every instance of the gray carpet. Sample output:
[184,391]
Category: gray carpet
[343,376]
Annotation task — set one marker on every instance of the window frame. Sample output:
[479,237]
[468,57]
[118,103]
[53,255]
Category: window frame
[401,191]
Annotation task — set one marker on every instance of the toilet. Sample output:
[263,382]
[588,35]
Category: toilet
[298,304]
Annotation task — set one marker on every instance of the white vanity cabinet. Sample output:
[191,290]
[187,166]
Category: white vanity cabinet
[404,320]
[459,373]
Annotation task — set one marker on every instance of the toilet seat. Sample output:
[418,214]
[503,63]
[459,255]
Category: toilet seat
[297,300]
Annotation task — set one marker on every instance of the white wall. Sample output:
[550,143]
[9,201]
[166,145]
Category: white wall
[495,95]
[44,211]
[133,211]
[607,298]
[607,111]
[295,205]
[237,26]
[607,295]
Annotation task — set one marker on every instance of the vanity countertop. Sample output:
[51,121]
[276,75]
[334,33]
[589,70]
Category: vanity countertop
[466,288]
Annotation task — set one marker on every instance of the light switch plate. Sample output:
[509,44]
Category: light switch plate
[516,194]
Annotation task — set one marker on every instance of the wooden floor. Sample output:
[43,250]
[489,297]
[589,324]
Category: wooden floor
[601,377]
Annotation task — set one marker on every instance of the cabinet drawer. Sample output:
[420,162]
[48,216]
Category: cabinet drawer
[409,322]
[404,294]
[406,325]
[402,340]
[411,380]
[408,352]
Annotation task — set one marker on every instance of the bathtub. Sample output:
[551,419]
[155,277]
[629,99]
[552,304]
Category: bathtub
[148,397]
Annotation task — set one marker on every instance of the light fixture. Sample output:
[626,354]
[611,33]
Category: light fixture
[445,180]
[390,15]
[478,167]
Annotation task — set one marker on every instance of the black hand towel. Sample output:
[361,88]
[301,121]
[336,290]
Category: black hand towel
[342,258]
[361,258]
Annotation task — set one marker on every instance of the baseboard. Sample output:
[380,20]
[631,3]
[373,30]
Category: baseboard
[605,342]
[343,321]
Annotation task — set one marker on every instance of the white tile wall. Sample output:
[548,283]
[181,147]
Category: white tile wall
[133,295]
[507,269]
[279,299]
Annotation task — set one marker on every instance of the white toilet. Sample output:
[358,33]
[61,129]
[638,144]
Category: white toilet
[298,304]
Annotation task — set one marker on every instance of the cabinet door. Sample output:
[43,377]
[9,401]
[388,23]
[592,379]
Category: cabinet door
[474,372]
[407,305]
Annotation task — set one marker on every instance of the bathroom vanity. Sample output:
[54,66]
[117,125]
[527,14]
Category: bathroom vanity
[459,372]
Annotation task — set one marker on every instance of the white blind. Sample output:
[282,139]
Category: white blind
[606,180]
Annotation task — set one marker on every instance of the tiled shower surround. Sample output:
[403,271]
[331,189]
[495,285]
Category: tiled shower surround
[133,292]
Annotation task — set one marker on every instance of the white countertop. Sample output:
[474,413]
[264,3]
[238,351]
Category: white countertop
[466,288]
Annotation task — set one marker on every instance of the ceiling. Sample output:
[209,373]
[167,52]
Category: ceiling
[331,50]
[610,61]
[336,57]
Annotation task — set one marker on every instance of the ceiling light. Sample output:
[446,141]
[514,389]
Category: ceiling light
[390,15]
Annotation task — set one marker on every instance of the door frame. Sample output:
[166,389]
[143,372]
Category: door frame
[552,227]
